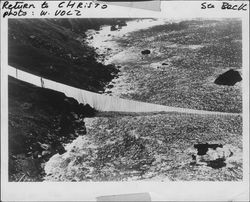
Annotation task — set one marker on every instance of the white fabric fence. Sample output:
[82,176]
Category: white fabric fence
[101,102]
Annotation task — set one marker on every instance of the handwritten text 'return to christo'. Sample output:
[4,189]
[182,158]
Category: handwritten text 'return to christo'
[63,8]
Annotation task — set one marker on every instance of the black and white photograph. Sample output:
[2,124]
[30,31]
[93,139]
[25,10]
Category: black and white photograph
[191,66]
[147,100]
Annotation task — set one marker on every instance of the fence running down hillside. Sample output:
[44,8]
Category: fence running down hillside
[101,102]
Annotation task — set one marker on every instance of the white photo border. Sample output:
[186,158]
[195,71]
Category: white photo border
[173,191]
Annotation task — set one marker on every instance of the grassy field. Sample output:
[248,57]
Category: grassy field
[149,147]
[186,58]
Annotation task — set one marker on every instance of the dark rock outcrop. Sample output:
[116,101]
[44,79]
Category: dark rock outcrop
[113,28]
[203,148]
[229,78]
[87,110]
[145,52]
[110,86]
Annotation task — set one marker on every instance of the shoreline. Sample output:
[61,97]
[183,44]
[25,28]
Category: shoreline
[105,43]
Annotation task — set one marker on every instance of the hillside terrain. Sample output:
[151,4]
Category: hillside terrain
[41,121]
[56,49]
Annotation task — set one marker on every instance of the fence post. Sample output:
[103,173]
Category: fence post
[42,83]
